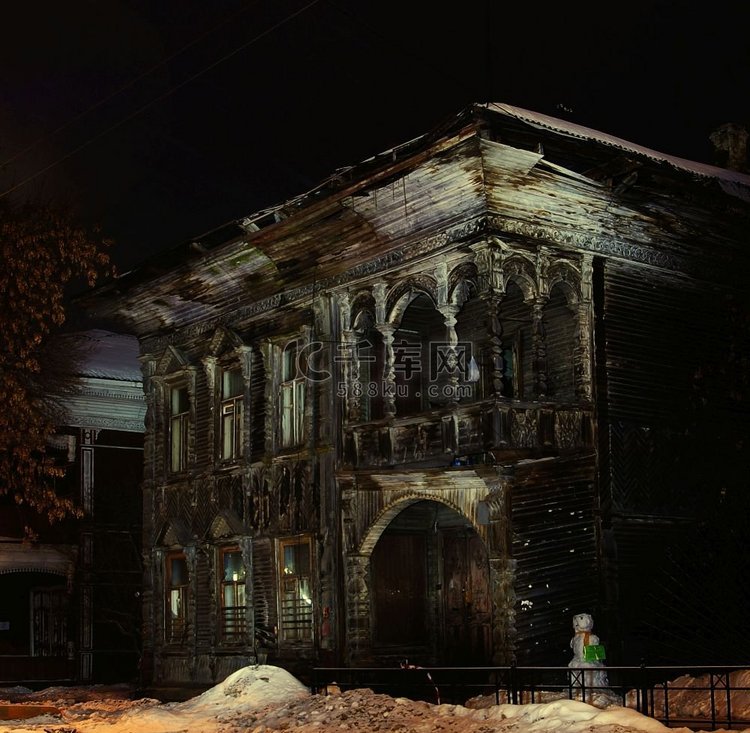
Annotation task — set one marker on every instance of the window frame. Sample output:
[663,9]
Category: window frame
[233,624]
[296,613]
[231,406]
[291,385]
[183,419]
[176,626]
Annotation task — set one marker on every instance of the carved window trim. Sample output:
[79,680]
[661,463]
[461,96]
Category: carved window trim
[231,401]
[179,427]
[232,595]
[176,597]
[291,394]
[295,590]
[174,372]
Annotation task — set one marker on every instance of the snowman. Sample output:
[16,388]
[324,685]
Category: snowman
[588,653]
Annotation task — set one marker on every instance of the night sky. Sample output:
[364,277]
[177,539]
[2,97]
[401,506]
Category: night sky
[163,119]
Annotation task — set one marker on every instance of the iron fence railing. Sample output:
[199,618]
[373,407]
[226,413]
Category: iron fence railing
[698,697]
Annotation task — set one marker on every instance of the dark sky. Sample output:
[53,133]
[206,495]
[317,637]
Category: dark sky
[162,119]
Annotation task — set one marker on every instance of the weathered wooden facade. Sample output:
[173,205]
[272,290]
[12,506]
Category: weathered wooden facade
[439,404]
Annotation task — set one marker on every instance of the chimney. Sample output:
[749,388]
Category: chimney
[730,146]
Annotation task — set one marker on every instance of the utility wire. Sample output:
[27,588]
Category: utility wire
[161,97]
[124,87]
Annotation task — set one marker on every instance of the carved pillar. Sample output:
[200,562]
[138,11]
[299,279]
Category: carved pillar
[357,607]
[386,331]
[245,355]
[191,560]
[351,376]
[159,433]
[582,354]
[389,370]
[192,374]
[539,347]
[270,396]
[502,570]
[488,258]
[209,366]
[246,548]
[449,379]
[495,344]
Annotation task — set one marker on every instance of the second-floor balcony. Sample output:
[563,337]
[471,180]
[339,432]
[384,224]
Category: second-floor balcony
[466,432]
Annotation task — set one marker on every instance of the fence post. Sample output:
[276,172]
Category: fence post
[712,685]
[642,699]
[513,684]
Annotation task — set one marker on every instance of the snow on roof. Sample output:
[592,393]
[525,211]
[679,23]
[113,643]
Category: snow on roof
[536,119]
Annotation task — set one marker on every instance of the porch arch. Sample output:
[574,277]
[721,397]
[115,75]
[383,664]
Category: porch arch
[384,519]
[445,586]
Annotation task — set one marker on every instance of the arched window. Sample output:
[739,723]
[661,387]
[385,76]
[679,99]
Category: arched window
[473,342]
[560,338]
[517,367]
[415,341]
[370,359]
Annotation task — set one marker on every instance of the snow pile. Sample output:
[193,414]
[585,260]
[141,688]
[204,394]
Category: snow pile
[267,699]
[249,687]
[571,716]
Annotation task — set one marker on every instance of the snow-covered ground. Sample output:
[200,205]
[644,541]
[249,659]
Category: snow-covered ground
[266,699]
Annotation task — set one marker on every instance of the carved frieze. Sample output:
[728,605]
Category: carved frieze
[590,242]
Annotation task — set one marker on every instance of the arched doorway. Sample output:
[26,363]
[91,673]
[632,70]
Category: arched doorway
[430,589]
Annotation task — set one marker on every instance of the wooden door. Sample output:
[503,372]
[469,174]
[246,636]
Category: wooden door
[399,589]
[467,608]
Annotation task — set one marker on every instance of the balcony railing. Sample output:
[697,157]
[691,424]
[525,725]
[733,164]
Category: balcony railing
[470,430]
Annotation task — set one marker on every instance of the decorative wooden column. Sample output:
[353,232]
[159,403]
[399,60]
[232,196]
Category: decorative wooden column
[389,372]
[346,354]
[211,369]
[358,609]
[449,313]
[582,353]
[502,570]
[539,347]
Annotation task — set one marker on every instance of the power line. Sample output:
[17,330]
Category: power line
[161,97]
[125,86]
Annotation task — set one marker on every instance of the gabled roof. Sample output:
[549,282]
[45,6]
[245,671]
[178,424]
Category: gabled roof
[474,166]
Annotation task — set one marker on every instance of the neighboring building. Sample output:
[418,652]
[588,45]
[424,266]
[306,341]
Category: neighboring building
[443,402]
[75,611]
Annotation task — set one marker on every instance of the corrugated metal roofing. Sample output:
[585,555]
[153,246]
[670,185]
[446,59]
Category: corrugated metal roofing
[586,133]
[109,355]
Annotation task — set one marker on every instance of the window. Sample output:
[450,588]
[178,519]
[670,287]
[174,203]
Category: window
[233,619]
[369,354]
[179,426]
[295,597]
[232,389]
[512,367]
[292,397]
[176,598]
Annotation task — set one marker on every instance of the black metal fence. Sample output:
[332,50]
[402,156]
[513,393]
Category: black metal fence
[703,697]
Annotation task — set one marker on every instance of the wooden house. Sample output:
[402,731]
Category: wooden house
[436,406]
[71,610]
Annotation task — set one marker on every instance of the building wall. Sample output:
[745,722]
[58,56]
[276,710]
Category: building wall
[337,485]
